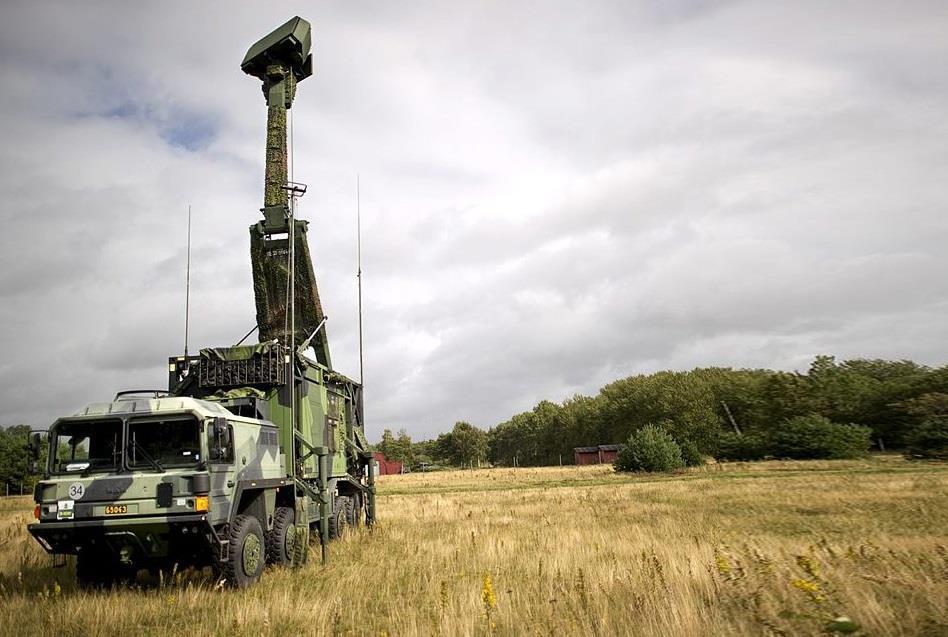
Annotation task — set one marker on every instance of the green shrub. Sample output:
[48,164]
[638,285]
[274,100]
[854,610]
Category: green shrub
[928,439]
[690,454]
[814,436]
[649,449]
[749,446]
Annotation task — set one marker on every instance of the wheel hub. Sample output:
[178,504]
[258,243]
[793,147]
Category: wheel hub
[251,554]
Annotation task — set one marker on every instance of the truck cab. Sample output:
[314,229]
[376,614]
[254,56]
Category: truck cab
[147,482]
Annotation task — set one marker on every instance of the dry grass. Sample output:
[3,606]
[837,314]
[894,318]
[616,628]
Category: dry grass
[740,549]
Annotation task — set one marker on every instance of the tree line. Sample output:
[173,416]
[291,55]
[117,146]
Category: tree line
[465,445]
[15,475]
[833,408]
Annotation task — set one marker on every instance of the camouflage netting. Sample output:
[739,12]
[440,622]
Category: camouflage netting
[270,262]
[269,256]
[276,172]
[239,392]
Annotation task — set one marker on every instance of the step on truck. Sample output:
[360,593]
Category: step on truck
[252,449]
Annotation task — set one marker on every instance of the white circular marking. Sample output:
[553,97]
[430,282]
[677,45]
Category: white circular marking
[76,490]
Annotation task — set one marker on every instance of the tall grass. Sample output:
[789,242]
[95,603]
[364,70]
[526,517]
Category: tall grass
[745,549]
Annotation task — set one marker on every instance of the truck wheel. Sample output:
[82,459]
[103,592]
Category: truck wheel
[337,519]
[246,556]
[355,511]
[281,537]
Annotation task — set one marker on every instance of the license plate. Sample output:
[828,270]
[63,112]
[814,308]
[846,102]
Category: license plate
[116,509]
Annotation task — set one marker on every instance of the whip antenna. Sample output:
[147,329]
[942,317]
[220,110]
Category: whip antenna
[359,272]
[187,289]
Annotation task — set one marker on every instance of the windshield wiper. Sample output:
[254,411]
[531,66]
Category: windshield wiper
[145,455]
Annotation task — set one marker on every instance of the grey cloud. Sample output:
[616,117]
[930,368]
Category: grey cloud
[553,195]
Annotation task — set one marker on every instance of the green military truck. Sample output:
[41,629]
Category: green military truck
[252,447]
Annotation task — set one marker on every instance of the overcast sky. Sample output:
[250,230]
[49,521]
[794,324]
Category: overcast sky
[554,194]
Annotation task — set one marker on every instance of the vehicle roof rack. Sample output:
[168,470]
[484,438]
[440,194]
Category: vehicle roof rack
[153,393]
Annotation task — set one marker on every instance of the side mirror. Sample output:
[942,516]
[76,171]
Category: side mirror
[221,439]
[33,446]
[222,431]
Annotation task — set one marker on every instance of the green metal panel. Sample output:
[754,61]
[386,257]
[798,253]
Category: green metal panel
[309,433]
[280,416]
[316,403]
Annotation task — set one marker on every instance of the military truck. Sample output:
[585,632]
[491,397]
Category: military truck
[251,447]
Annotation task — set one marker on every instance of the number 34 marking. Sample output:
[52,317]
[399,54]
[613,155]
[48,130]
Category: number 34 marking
[76,490]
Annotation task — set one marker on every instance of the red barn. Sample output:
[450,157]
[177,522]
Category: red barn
[600,454]
[384,467]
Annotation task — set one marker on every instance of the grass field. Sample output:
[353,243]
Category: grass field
[737,549]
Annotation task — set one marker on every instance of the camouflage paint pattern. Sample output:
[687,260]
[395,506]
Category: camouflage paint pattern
[255,457]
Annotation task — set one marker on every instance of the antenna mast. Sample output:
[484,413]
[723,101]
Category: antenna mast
[285,289]
[359,272]
[187,289]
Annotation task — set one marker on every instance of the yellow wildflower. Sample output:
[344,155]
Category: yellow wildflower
[490,601]
[487,594]
[811,588]
[809,565]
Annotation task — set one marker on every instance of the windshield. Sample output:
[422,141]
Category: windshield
[86,445]
[163,443]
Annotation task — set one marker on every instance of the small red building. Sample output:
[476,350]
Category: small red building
[600,454]
[385,467]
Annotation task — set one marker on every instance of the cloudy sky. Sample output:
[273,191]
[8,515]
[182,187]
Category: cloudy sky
[554,194]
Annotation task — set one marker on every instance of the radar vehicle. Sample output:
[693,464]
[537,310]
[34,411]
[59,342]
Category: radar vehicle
[251,448]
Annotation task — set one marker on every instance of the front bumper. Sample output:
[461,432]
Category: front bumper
[147,536]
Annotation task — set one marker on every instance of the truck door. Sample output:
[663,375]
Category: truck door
[221,467]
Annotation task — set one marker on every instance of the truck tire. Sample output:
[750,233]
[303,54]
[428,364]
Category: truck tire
[282,537]
[246,555]
[337,519]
